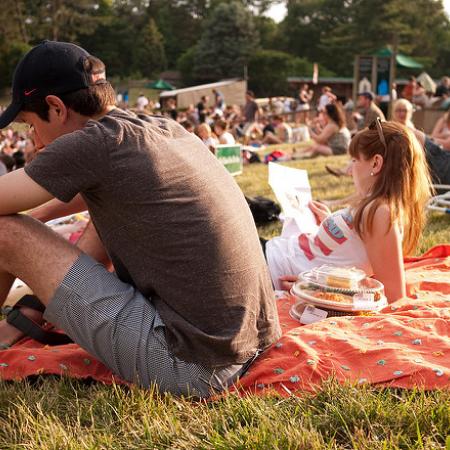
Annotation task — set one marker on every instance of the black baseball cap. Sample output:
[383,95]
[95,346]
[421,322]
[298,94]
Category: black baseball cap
[49,68]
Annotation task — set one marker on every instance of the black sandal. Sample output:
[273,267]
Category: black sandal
[32,329]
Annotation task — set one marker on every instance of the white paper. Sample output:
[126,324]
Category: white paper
[312,314]
[293,192]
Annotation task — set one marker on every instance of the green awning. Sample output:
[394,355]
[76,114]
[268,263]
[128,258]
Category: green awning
[406,61]
[161,85]
[402,60]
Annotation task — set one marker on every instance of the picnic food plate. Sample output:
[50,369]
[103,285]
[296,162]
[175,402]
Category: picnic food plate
[360,285]
[334,300]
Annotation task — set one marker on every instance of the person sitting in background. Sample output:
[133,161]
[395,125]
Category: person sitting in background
[188,125]
[204,132]
[172,108]
[141,102]
[402,111]
[408,90]
[441,130]
[419,96]
[282,134]
[443,89]
[221,131]
[437,157]
[326,97]
[370,111]
[384,223]
[334,137]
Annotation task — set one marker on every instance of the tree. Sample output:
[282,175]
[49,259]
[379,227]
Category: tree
[62,20]
[185,64]
[149,56]
[10,55]
[180,23]
[268,31]
[308,26]
[269,70]
[227,42]
[332,32]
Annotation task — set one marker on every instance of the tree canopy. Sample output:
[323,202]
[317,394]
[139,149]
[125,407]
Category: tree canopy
[214,39]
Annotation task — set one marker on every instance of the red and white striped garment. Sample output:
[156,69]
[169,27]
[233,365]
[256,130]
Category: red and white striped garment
[336,242]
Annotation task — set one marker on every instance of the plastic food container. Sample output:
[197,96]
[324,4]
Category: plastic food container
[340,289]
[337,277]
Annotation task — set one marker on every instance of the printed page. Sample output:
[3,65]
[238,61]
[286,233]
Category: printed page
[293,192]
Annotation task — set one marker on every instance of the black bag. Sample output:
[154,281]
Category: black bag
[263,209]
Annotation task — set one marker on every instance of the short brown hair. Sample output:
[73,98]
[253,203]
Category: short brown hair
[89,101]
[221,124]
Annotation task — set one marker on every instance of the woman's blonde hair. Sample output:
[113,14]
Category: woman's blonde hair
[409,110]
[403,183]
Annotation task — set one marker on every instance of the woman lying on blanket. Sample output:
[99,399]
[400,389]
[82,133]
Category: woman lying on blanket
[384,223]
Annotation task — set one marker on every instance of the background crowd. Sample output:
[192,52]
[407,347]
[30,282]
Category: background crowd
[325,124]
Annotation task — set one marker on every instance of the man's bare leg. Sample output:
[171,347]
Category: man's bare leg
[39,257]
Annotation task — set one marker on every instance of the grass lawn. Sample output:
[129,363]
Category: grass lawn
[51,413]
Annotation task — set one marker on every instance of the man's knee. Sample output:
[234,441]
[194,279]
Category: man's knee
[19,230]
[10,226]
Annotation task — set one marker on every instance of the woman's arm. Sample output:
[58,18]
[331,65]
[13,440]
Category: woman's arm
[384,249]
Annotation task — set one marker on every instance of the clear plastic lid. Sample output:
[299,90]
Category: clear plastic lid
[341,279]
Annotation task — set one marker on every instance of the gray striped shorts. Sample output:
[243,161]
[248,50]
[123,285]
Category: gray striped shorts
[120,327]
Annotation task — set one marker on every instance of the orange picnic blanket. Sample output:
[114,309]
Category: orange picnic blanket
[406,345]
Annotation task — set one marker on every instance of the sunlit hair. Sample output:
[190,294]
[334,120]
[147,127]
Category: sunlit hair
[204,127]
[403,183]
[409,111]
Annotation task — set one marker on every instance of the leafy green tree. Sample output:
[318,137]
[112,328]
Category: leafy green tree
[268,31]
[149,56]
[10,55]
[180,24]
[62,20]
[332,32]
[227,42]
[269,70]
[308,26]
[185,64]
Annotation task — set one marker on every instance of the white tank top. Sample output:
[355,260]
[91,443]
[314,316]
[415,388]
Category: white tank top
[336,243]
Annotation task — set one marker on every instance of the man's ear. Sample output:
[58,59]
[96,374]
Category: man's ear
[57,108]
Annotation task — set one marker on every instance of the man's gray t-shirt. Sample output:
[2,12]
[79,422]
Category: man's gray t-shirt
[175,225]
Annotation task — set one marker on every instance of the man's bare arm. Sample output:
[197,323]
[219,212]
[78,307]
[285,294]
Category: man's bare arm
[18,192]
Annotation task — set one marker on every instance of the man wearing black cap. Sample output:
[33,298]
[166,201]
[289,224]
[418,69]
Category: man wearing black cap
[190,303]
[369,108]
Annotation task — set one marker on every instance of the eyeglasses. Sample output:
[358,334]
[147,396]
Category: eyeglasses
[376,124]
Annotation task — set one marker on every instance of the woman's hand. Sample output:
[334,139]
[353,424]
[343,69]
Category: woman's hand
[287,281]
[320,211]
